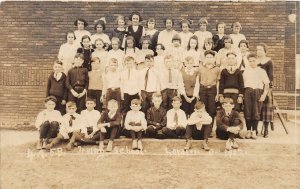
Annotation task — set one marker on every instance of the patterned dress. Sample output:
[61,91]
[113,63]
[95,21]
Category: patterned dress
[267,110]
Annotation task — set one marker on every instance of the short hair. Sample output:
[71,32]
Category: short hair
[58,62]
[135,13]
[99,39]
[245,42]
[151,20]
[168,56]
[219,23]
[161,45]
[203,20]
[231,53]
[85,37]
[227,37]
[79,55]
[236,24]
[128,58]
[265,46]
[70,32]
[136,102]
[227,100]
[189,58]
[120,17]
[82,20]
[199,105]
[116,39]
[114,60]
[112,101]
[156,95]
[70,104]
[149,56]
[176,98]
[95,58]
[145,38]
[90,99]
[210,41]
[251,55]
[176,37]
[210,52]
[165,20]
[195,38]
[188,22]
[51,98]
[99,22]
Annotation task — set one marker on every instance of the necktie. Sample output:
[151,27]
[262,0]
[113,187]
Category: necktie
[176,118]
[170,76]
[128,74]
[71,120]
[146,78]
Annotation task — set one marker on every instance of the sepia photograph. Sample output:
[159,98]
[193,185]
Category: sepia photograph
[149,94]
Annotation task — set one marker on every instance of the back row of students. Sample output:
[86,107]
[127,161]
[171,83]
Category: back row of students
[207,84]
[138,41]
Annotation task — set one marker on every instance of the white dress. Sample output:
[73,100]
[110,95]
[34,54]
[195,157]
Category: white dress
[66,55]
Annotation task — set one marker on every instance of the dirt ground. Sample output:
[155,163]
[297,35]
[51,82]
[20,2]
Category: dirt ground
[264,163]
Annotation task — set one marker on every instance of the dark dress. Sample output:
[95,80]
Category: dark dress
[267,110]
[218,43]
[119,34]
[153,39]
[136,35]
[87,53]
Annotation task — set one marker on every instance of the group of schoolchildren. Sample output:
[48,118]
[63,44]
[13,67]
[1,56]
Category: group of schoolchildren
[139,82]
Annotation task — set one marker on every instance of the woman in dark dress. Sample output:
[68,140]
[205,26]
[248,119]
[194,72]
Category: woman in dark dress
[218,38]
[267,111]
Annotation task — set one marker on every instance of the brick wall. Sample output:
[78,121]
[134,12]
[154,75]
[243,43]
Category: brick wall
[32,33]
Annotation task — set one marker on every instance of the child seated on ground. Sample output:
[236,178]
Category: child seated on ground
[71,125]
[90,116]
[156,118]
[47,122]
[109,124]
[135,124]
[199,126]
[229,124]
[176,120]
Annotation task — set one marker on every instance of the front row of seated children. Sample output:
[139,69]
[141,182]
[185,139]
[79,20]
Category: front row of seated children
[90,127]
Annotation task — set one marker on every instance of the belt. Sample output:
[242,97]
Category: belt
[207,86]
[231,90]
[114,89]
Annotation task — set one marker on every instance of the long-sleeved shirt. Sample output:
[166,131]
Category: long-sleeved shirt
[96,79]
[68,126]
[156,117]
[117,54]
[113,121]
[165,38]
[102,55]
[77,76]
[149,80]
[185,38]
[234,115]
[79,34]
[111,80]
[130,81]
[202,35]
[91,118]
[231,81]
[66,55]
[56,87]
[46,115]
[255,78]
[176,79]
[102,36]
[137,118]
[199,120]
[236,38]
[209,76]
[171,119]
